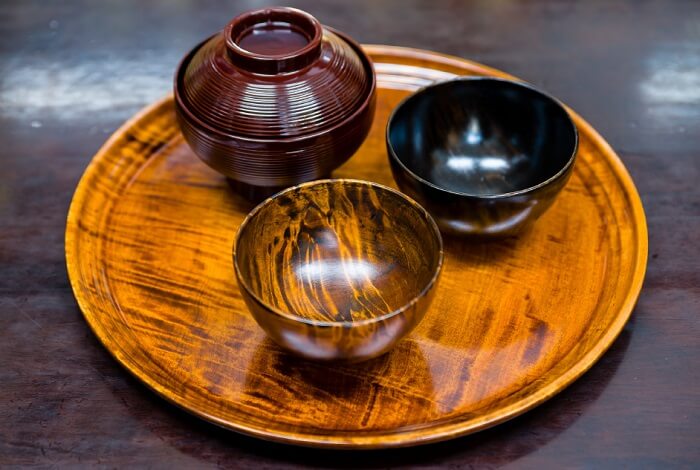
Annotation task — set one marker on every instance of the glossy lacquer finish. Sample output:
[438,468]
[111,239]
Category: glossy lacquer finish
[512,321]
[291,109]
[485,156]
[338,269]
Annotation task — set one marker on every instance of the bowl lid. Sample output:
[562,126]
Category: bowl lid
[273,73]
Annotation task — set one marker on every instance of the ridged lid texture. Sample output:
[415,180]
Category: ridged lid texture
[231,97]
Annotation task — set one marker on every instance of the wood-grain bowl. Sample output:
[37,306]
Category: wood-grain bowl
[338,269]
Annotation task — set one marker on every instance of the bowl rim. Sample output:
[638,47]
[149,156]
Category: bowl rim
[343,324]
[470,79]
[217,134]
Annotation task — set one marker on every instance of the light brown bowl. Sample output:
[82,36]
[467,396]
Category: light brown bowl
[338,269]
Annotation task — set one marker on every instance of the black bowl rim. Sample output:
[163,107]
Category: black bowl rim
[343,324]
[516,83]
[216,134]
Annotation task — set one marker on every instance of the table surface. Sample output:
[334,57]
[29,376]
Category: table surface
[72,72]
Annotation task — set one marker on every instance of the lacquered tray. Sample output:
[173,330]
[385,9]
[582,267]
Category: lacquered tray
[148,248]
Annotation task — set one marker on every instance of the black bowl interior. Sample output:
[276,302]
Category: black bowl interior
[482,137]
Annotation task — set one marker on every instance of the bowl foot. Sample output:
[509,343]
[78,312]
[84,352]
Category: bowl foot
[255,193]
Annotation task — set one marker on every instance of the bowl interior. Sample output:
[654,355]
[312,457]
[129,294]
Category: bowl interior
[337,251]
[482,136]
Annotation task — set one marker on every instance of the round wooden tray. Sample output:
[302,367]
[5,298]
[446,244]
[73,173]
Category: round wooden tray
[148,249]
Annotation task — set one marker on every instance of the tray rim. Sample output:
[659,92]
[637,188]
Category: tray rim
[384,439]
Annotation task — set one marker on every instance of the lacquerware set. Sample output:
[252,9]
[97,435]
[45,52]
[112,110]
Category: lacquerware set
[485,156]
[343,269]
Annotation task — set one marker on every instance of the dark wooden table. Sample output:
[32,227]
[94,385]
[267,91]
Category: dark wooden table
[72,72]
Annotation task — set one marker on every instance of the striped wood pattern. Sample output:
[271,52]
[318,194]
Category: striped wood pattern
[148,248]
[338,269]
[338,252]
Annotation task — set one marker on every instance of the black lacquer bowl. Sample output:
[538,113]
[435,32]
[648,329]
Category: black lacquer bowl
[484,156]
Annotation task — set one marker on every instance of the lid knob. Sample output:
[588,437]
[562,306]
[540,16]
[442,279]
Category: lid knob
[273,41]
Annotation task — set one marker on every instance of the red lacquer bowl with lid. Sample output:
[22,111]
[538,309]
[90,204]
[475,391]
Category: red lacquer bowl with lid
[275,99]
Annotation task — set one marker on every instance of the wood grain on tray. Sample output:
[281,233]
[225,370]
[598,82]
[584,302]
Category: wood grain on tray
[513,322]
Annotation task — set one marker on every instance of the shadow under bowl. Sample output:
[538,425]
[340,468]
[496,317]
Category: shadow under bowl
[484,156]
[338,269]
